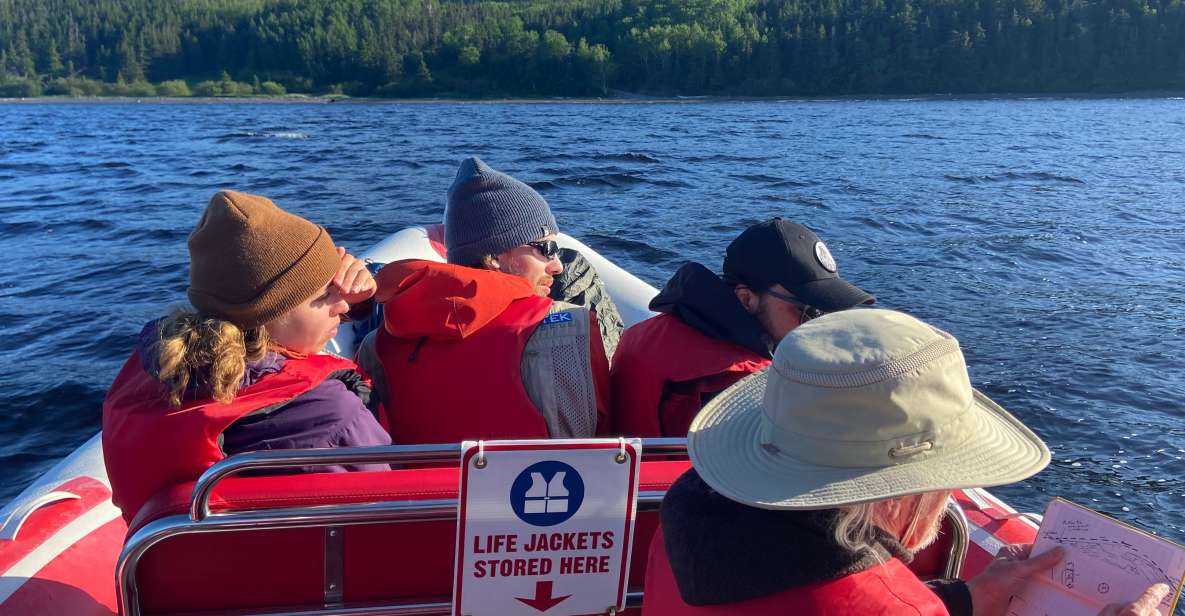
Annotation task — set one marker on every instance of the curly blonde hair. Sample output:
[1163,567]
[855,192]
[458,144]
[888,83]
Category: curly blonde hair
[196,349]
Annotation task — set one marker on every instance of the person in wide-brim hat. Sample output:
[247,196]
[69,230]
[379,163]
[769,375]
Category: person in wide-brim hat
[859,407]
[816,480]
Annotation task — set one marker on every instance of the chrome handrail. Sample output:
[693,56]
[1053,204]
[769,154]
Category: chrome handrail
[960,540]
[633,599]
[392,454]
[201,520]
[301,517]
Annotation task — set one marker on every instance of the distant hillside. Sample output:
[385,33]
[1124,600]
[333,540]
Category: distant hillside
[479,48]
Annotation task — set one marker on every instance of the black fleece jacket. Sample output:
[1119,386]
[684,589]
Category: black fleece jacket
[702,300]
[724,552]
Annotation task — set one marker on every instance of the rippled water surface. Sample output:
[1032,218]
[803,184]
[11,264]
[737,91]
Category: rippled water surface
[1048,235]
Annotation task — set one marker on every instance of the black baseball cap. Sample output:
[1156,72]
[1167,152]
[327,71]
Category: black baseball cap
[781,252]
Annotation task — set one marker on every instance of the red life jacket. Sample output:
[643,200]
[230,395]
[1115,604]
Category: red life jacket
[885,590]
[149,446]
[446,391]
[663,368]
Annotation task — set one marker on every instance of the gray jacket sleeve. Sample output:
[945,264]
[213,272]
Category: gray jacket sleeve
[580,284]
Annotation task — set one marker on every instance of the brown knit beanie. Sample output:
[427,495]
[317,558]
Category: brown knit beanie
[251,262]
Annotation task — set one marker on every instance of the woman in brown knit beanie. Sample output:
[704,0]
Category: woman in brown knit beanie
[240,370]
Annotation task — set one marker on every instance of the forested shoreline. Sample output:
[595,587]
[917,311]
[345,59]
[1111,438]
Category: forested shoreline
[587,48]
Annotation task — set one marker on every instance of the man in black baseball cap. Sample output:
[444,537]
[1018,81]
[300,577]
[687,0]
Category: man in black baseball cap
[785,261]
[715,330]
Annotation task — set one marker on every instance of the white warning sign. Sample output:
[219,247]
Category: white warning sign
[545,527]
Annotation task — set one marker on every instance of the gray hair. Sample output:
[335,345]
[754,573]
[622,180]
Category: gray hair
[855,526]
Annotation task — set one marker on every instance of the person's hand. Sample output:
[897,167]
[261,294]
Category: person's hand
[353,280]
[1144,606]
[1012,568]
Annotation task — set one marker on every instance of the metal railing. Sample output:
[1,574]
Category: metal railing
[392,454]
[201,519]
[960,539]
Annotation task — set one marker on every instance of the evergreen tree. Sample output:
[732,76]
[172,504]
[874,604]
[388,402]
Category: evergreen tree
[581,47]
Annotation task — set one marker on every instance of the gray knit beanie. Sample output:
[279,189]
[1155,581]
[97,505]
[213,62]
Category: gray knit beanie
[489,212]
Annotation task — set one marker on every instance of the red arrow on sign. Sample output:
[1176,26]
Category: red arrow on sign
[543,600]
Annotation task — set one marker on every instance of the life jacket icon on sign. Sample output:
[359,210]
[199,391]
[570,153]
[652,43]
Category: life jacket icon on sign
[547,496]
[547,493]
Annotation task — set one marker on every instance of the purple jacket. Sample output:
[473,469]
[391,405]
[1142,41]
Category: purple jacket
[332,414]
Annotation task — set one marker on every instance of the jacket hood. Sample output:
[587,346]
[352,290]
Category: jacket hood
[442,301]
[702,300]
[724,552]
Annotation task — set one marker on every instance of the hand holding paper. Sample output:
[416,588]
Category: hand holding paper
[1007,575]
[1107,564]
[1146,605]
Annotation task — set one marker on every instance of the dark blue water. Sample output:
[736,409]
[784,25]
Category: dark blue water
[1048,235]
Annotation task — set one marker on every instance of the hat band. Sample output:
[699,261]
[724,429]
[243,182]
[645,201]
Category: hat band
[929,352]
[843,453]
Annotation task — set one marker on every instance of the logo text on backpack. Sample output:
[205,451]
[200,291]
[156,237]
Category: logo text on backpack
[559,317]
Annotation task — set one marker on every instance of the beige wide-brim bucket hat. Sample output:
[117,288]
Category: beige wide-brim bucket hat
[858,406]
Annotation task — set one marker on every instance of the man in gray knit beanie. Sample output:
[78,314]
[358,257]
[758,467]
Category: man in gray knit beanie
[494,221]
[484,313]
[489,212]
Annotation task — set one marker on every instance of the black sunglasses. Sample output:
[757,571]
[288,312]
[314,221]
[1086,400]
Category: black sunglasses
[548,248]
[808,311]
